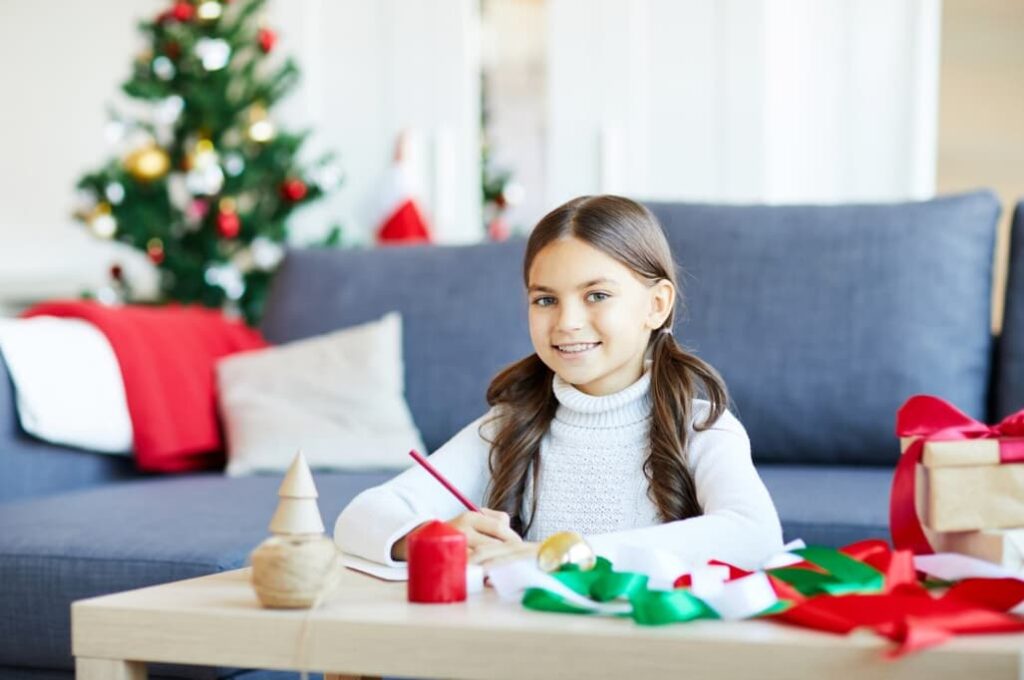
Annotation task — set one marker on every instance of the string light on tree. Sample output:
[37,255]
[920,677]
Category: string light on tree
[209,11]
[260,129]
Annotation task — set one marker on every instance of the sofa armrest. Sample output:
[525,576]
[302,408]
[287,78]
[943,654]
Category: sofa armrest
[30,467]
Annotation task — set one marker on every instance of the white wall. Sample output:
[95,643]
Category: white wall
[60,66]
[743,100]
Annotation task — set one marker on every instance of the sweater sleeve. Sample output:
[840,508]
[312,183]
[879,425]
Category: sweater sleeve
[740,524]
[378,517]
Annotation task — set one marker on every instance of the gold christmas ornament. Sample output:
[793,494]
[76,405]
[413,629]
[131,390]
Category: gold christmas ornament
[565,548]
[260,129]
[101,222]
[147,163]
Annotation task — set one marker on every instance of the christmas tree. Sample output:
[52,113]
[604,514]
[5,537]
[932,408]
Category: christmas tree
[206,180]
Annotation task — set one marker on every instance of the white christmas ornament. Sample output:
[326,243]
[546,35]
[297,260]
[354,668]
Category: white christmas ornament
[227,278]
[114,132]
[206,179]
[168,110]
[163,68]
[214,53]
[104,225]
[114,192]
[234,164]
[266,254]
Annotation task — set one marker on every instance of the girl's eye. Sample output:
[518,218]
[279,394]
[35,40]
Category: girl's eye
[545,301]
[597,296]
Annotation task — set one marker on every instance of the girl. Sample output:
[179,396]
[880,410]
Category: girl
[601,431]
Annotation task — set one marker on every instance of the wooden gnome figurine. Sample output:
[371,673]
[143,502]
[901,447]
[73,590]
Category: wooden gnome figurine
[297,566]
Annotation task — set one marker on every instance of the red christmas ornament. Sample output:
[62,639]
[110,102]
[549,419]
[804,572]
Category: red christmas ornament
[228,224]
[183,11]
[172,49]
[437,564]
[267,38]
[294,189]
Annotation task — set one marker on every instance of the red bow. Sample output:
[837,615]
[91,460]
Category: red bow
[932,419]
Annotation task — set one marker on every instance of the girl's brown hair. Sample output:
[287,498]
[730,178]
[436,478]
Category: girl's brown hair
[628,232]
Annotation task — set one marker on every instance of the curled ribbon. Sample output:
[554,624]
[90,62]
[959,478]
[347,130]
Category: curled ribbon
[929,418]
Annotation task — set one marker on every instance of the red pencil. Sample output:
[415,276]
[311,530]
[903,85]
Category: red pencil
[444,482]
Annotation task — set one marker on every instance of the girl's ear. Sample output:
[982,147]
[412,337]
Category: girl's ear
[663,299]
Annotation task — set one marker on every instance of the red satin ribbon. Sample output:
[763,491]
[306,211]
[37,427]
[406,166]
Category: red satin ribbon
[905,611]
[932,419]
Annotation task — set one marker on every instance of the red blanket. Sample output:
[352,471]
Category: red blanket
[167,357]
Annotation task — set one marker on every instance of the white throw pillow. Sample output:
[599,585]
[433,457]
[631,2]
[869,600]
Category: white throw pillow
[340,397]
[67,383]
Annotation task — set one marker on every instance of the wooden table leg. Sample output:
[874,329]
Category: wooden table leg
[108,669]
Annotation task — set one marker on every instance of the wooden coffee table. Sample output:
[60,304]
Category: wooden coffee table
[368,629]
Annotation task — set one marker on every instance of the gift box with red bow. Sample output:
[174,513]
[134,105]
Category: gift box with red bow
[956,473]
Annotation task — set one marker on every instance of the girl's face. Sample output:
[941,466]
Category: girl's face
[591,317]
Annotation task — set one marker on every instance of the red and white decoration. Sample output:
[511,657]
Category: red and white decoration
[395,213]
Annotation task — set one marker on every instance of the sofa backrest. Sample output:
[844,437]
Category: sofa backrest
[1008,390]
[463,316]
[822,319]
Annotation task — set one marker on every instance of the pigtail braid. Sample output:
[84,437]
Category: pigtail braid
[677,377]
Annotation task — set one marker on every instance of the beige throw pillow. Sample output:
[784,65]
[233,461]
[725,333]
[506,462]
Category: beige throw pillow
[340,397]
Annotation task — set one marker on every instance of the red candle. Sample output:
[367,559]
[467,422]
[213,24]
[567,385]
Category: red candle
[437,564]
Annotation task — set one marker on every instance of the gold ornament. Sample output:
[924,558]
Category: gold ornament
[147,163]
[565,548]
[260,129]
[101,222]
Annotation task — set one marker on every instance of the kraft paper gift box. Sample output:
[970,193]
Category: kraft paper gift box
[1004,547]
[963,486]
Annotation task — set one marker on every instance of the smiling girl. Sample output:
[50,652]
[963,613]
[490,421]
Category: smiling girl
[610,429]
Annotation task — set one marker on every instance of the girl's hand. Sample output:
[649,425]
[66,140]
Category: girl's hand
[487,527]
[496,553]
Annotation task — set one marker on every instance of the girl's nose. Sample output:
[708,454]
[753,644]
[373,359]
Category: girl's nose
[570,318]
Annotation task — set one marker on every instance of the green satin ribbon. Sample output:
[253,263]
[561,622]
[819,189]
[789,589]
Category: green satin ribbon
[840,575]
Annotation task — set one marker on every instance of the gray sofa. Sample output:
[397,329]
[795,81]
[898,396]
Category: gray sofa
[822,320]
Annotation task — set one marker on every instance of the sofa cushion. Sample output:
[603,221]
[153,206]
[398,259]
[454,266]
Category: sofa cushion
[1009,375]
[824,319]
[338,397]
[463,316]
[57,550]
[830,505]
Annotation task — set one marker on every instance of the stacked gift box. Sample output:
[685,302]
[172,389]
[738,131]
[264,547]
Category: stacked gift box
[970,500]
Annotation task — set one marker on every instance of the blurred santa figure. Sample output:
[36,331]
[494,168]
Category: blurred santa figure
[396,215]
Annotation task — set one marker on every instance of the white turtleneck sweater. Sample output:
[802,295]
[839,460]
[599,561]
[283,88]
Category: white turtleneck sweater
[592,482]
